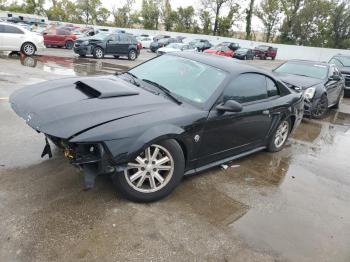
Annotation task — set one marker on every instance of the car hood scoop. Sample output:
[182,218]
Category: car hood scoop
[104,88]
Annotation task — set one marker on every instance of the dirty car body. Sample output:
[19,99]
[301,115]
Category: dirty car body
[102,123]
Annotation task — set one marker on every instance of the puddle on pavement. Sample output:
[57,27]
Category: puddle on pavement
[66,66]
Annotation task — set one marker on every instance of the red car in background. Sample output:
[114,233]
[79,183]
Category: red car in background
[264,51]
[59,37]
[222,50]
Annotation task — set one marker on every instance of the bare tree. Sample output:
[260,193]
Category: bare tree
[216,7]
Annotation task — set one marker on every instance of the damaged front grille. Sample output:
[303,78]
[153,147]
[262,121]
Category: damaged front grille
[79,154]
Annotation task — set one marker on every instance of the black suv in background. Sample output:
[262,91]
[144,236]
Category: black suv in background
[201,44]
[105,43]
[342,62]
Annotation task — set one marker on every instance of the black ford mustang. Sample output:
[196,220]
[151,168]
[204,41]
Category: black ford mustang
[321,83]
[173,115]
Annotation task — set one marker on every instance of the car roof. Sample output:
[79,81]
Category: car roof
[301,61]
[224,63]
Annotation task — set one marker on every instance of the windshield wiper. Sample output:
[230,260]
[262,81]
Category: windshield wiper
[134,78]
[164,89]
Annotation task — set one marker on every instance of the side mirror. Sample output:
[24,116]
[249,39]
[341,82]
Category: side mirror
[230,106]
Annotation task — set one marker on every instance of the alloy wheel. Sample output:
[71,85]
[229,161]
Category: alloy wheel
[281,134]
[28,49]
[99,52]
[151,171]
[132,55]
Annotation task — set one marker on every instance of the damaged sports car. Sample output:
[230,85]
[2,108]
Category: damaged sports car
[174,115]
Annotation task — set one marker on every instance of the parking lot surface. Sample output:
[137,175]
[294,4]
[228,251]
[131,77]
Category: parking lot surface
[288,206]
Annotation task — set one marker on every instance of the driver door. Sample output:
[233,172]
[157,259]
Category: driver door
[229,133]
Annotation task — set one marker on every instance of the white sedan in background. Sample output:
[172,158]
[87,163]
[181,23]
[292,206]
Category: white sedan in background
[145,41]
[17,38]
[176,47]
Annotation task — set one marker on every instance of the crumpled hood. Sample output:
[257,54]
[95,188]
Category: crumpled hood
[303,82]
[63,108]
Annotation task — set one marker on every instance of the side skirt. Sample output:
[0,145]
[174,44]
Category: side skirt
[202,168]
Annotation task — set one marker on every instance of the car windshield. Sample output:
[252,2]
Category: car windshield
[197,81]
[304,69]
[344,60]
[242,50]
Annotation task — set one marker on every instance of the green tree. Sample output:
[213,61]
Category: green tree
[216,7]
[122,15]
[225,23]
[249,16]
[168,15]
[269,12]
[184,19]
[64,10]
[290,9]
[339,26]
[34,6]
[311,23]
[150,14]
[205,18]
[92,11]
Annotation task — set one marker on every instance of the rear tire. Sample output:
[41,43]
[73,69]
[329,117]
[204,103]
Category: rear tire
[69,44]
[28,49]
[98,53]
[132,55]
[280,136]
[145,180]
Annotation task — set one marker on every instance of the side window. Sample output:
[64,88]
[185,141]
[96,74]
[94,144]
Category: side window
[12,30]
[272,89]
[246,88]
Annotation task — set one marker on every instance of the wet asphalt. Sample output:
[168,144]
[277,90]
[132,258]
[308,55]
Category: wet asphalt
[287,206]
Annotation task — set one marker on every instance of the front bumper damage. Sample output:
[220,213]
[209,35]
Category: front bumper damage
[92,158]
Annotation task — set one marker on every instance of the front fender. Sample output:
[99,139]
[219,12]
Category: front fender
[126,149]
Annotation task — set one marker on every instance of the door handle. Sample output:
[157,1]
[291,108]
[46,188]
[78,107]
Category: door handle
[266,112]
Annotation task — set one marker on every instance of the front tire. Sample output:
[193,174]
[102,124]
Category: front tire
[28,49]
[153,174]
[280,137]
[98,53]
[320,109]
[132,55]
[69,44]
